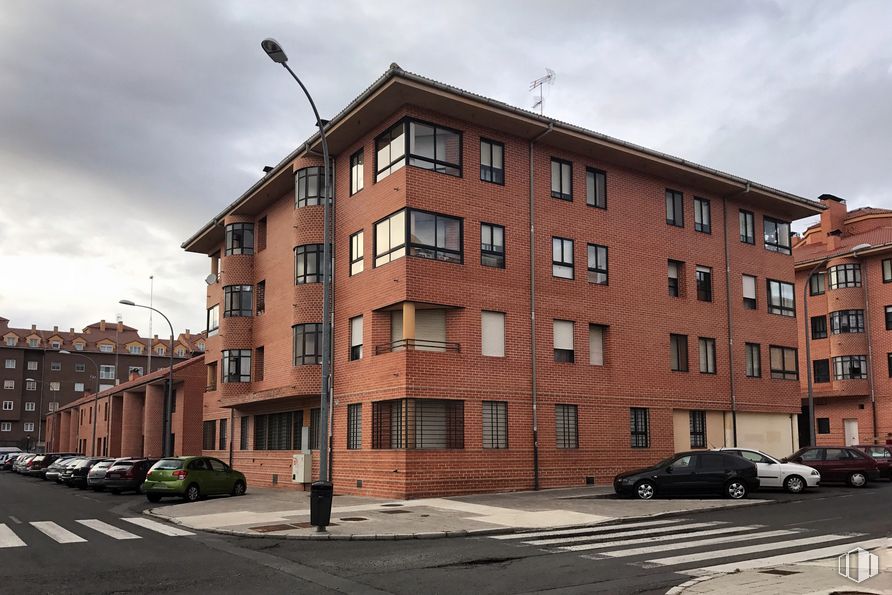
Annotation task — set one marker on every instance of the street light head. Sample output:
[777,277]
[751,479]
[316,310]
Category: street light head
[127,302]
[274,50]
[64,352]
[861,247]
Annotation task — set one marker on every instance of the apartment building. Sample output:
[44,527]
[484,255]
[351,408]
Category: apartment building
[37,377]
[518,303]
[844,270]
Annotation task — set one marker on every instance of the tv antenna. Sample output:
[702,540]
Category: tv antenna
[538,84]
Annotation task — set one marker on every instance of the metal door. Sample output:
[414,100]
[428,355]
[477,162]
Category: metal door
[851,430]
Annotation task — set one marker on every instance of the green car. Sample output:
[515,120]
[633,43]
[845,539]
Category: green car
[192,478]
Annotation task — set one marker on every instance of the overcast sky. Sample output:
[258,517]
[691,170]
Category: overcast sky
[126,126]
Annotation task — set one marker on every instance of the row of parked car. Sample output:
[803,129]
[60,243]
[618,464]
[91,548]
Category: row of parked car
[735,472]
[190,478]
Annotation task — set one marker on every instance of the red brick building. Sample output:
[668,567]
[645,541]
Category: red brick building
[518,302]
[849,322]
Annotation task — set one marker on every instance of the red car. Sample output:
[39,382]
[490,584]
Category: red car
[838,463]
[882,455]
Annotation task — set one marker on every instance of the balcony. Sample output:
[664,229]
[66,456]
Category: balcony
[417,345]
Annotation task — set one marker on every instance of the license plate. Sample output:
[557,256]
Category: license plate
[113,476]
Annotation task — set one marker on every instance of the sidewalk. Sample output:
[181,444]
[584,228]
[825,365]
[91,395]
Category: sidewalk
[281,513]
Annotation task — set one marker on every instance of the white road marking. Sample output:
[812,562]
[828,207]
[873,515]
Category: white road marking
[15,520]
[596,529]
[662,538]
[107,529]
[740,551]
[57,533]
[8,538]
[648,531]
[698,543]
[157,527]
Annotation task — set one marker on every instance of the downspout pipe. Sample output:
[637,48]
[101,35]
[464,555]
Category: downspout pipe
[533,369]
[870,367]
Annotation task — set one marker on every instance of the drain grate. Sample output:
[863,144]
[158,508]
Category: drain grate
[271,528]
[353,518]
[779,572]
[395,511]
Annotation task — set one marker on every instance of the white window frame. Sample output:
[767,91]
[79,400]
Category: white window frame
[9,364]
[8,405]
[30,406]
[106,348]
[9,385]
[5,426]
[492,333]
[28,426]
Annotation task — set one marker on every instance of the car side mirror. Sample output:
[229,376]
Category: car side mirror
[669,469]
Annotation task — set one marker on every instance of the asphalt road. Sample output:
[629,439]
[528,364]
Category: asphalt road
[60,540]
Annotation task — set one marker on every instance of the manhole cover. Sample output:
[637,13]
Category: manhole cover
[779,572]
[395,511]
[353,518]
[391,505]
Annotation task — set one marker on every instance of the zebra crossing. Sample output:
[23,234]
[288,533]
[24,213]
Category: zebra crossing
[693,548]
[83,531]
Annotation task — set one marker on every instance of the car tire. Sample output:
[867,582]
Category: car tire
[794,484]
[239,488]
[735,489]
[857,479]
[153,498]
[193,494]
[645,490]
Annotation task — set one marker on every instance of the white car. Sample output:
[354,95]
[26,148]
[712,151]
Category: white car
[774,474]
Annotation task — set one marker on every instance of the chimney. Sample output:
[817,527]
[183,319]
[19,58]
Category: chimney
[155,337]
[71,330]
[188,334]
[832,219]
[33,327]
[55,329]
[134,375]
[102,325]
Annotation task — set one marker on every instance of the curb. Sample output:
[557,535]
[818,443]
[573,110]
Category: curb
[444,534]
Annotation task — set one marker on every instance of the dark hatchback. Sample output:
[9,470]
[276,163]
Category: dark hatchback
[694,472]
[78,477]
[838,463]
[882,454]
[127,476]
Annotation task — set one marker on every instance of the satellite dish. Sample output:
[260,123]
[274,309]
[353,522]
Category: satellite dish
[210,279]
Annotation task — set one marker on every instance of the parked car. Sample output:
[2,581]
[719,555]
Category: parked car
[127,475]
[22,461]
[54,470]
[696,472]
[96,476]
[41,463]
[66,471]
[838,463]
[882,455]
[78,478]
[773,473]
[193,478]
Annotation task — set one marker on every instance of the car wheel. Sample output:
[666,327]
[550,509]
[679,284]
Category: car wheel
[193,494]
[153,497]
[238,489]
[735,489]
[645,490]
[794,484]
[857,480]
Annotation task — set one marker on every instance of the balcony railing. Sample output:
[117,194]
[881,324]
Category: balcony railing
[417,345]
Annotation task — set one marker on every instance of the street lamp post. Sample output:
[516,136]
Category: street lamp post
[166,447]
[40,416]
[277,55]
[95,396]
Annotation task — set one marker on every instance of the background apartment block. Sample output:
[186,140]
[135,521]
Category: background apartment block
[849,322]
[37,379]
[518,302]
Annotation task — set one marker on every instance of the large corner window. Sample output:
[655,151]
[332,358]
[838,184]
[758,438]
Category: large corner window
[418,424]
[239,238]
[777,235]
[844,275]
[308,189]
[238,300]
[430,147]
[237,365]
[850,367]
[308,264]
[307,344]
[430,235]
[845,321]
[390,151]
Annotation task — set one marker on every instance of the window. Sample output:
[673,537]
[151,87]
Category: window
[784,364]
[777,235]
[817,284]
[888,318]
[28,426]
[356,338]
[56,345]
[357,172]
[818,327]
[821,370]
[753,360]
[823,425]
[5,426]
[221,444]
[780,298]
[276,431]
[596,188]
[678,353]
[10,364]
[492,161]
[889,363]
[561,179]
[495,424]
[11,341]
[357,252]
[390,238]
[562,258]
[8,405]
[238,300]
[676,272]
[243,433]
[239,238]
[314,428]
[354,426]
[845,275]
[107,348]
[887,270]
[846,321]
[435,147]
[9,385]
[259,362]
[209,433]
[55,366]
[53,406]
[107,372]
[307,344]
[698,429]
[749,292]
[563,341]
[702,216]
[308,190]
[390,151]
[596,344]
[237,365]
[30,385]
[638,418]
[418,424]
[674,208]
[850,367]
[32,365]
[213,319]
[260,291]
[707,355]
[135,349]
[492,245]
[434,236]
[567,422]
[492,334]
[30,406]
[747,227]
[55,386]
[597,264]
[261,234]
[33,342]
[704,284]
[308,264]
[78,387]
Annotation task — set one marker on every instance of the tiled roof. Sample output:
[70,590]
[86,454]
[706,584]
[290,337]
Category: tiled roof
[879,237]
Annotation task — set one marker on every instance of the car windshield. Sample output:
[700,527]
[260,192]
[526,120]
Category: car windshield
[168,464]
[103,464]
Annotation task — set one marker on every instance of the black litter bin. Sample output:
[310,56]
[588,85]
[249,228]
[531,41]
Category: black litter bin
[321,493]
